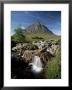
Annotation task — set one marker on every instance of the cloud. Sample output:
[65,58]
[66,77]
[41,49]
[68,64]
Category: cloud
[22,27]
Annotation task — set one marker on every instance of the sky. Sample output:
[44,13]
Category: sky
[23,19]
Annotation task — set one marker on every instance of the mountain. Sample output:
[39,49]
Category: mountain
[37,27]
[37,31]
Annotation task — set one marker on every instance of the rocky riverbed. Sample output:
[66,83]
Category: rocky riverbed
[28,58]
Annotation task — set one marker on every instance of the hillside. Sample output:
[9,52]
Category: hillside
[36,29]
[45,36]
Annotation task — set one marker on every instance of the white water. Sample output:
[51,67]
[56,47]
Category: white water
[36,64]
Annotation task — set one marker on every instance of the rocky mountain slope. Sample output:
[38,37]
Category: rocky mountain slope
[37,27]
[37,31]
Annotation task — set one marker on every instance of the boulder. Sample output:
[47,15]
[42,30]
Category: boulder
[27,56]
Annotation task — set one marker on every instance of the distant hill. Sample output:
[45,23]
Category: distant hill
[37,27]
[37,31]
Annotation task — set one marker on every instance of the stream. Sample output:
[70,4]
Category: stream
[23,70]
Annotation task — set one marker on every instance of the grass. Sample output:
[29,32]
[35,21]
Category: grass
[53,67]
[45,36]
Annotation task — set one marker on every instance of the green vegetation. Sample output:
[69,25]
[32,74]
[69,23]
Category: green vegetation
[18,36]
[21,36]
[53,67]
[39,38]
[43,36]
[34,47]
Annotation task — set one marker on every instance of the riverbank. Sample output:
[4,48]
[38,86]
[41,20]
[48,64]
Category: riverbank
[53,68]
[47,61]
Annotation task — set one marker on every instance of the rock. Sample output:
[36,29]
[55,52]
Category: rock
[45,56]
[27,56]
[54,47]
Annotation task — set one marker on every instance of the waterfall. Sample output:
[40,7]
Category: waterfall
[36,64]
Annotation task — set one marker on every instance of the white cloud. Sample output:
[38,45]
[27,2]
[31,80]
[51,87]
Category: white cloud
[22,27]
